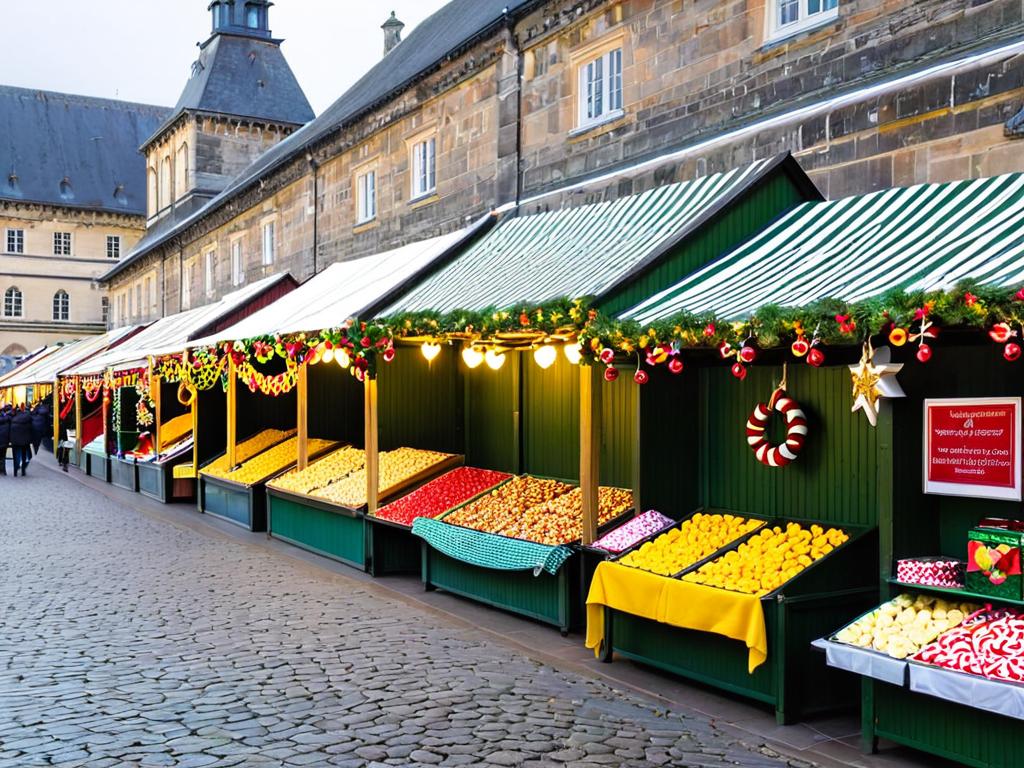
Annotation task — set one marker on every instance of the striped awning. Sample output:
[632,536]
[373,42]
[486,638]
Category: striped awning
[46,372]
[33,362]
[926,237]
[576,252]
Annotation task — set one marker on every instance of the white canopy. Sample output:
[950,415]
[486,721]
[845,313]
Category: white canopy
[73,353]
[25,368]
[345,289]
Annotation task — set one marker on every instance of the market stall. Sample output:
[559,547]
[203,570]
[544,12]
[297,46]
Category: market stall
[528,408]
[901,314]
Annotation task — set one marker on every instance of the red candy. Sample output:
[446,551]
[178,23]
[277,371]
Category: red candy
[441,494]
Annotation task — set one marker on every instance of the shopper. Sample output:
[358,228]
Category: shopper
[41,424]
[21,438]
[5,437]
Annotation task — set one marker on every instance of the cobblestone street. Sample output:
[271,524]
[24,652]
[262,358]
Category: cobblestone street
[127,640]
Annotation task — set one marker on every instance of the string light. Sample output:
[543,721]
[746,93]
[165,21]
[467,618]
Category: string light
[572,352]
[545,356]
[430,351]
[494,359]
[472,357]
[328,356]
[342,358]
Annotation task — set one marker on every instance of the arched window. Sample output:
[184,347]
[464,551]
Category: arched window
[253,16]
[13,306]
[153,202]
[165,183]
[61,305]
[181,172]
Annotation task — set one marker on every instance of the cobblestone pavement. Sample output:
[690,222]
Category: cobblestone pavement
[128,641]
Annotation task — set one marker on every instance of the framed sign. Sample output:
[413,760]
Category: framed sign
[972,447]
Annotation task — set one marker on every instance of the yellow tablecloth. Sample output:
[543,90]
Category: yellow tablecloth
[678,603]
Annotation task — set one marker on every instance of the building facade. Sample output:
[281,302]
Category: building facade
[490,104]
[72,203]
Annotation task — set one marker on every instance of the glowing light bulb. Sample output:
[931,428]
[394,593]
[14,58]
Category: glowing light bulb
[430,351]
[572,352]
[545,356]
[342,358]
[472,357]
[494,359]
[328,356]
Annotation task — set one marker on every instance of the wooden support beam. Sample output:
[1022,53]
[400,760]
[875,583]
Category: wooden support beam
[370,442]
[232,409]
[106,393]
[154,395]
[78,415]
[56,414]
[590,447]
[302,415]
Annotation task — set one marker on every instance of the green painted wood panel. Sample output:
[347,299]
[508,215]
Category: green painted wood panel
[670,419]
[212,432]
[738,223]
[492,416]
[420,403]
[833,479]
[337,536]
[335,404]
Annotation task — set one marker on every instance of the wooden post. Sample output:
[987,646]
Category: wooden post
[78,417]
[232,410]
[56,414]
[106,393]
[195,418]
[590,447]
[154,395]
[302,415]
[370,442]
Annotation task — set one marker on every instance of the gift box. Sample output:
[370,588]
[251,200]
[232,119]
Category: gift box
[993,562]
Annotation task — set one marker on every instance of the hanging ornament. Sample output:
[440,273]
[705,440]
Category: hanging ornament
[898,336]
[494,359]
[815,356]
[800,347]
[927,331]
[709,330]
[572,352]
[388,355]
[874,377]
[641,376]
[472,357]
[675,365]
[611,373]
[1001,333]
[545,356]
[796,428]
[430,351]
[607,355]
[725,350]
[739,370]
[924,353]
[1011,351]
[748,352]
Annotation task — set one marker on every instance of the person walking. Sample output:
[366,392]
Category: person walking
[41,424]
[21,438]
[5,437]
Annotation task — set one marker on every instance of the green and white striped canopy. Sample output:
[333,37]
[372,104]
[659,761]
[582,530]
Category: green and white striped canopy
[925,237]
[576,252]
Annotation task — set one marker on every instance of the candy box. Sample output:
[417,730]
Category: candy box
[993,562]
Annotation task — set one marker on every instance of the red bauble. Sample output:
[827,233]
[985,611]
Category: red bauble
[641,377]
[815,357]
[748,353]
[800,347]
[1012,351]
[607,355]
[675,365]
[739,370]
[389,354]
[725,350]
[611,373]
[1000,333]
[924,353]
[365,342]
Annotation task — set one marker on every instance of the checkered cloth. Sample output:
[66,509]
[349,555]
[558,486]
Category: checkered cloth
[488,550]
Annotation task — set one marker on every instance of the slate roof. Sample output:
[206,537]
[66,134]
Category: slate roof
[74,151]
[454,26]
[244,77]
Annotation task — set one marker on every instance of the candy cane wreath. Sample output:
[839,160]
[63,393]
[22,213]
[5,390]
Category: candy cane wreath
[796,430]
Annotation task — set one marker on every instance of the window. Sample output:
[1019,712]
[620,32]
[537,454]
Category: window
[252,16]
[138,299]
[15,241]
[181,172]
[152,203]
[113,246]
[61,243]
[237,268]
[788,17]
[601,88]
[13,306]
[105,310]
[61,306]
[209,265]
[150,297]
[165,182]
[366,192]
[122,312]
[424,167]
[269,232]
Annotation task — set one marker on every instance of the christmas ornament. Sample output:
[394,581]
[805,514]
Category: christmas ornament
[815,356]
[611,373]
[1001,333]
[388,355]
[924,353]
[675,365]
[796,429]
[1011,351]
[898,336]
[739,371]
[641,377]
[874,378]
[607,355]
[725,350]
[748,352]
[800,347]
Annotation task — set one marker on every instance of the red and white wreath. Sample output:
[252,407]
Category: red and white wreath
[796,430]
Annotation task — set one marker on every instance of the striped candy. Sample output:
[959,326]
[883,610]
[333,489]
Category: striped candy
[796,431]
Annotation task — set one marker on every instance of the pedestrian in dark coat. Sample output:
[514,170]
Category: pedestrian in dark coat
[21,438]
[5,438]
[41,425]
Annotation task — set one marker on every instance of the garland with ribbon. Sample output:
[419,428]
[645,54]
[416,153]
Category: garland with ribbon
[278,384]
[92,387]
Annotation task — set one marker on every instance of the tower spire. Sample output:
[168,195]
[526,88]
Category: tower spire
[240,17]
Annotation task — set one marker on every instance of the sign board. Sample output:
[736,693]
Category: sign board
[972,447]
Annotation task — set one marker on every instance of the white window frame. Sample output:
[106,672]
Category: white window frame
[209,271]
[186,286]
[113,246]
[366,196]
[61,243]
[61,306]
[14,302]
[14,240]
[268,233]
[805,20]
[237,259]
[600,95]
[424,167]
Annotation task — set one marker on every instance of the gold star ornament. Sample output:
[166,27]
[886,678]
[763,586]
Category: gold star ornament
[874,377]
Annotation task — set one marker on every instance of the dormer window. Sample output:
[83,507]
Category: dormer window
[252,16]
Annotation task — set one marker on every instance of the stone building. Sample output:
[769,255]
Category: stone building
[72,202]
[539,104]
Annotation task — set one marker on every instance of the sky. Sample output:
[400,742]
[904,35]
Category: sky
[142,50]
